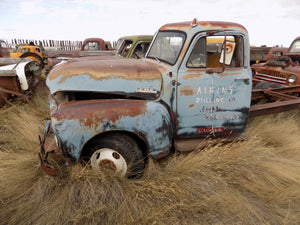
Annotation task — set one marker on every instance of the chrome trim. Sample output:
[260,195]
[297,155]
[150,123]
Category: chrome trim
[270,76]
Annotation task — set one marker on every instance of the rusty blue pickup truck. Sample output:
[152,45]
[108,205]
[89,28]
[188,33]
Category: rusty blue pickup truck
[193,83]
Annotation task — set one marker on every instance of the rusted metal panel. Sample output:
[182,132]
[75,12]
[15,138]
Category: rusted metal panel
[284,70]
[109,76]
[4,51]
[205,26]
[17,78]
[9,61]
[259,54]
[275,107]
[262,93]
[8,81]
[281,100]
[275,53]
[192,144]
[75,123]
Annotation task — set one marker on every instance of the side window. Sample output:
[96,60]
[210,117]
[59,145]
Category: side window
[25,50]
[208,52]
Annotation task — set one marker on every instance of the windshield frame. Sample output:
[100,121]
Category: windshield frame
[158,37]
[119,44]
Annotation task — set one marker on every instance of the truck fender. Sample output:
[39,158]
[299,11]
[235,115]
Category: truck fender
[149,120]
[20,71]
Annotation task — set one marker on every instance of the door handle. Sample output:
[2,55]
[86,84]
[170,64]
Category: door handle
[242,78]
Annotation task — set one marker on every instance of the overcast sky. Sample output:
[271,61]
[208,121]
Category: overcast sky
[269,22]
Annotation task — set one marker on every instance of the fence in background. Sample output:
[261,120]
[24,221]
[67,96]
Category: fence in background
[58,44]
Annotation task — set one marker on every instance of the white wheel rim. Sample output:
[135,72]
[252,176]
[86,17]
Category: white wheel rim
[109,159]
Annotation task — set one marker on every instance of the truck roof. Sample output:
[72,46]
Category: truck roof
[93,39]
[204,25]
[139,37]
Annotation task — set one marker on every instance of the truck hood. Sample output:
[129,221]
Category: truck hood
[132,77]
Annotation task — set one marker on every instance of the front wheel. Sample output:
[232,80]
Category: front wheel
[117,152]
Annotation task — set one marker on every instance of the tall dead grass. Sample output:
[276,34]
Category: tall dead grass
[251,182]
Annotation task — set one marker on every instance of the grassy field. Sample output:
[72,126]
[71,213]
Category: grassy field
[252,182]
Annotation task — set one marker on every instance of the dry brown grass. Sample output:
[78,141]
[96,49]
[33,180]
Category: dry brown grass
[252,182]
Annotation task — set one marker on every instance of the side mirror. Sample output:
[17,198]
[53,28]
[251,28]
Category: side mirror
[229,49]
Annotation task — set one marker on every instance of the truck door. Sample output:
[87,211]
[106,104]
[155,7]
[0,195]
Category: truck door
[213,91]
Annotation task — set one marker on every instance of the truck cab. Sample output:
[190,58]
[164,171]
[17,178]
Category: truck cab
[95,47]
[34,52]
[193,83]
[134,46]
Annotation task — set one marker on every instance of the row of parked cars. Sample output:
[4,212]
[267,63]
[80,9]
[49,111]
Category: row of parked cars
[19,79]
[282,67]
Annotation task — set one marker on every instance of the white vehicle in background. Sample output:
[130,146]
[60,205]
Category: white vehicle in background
[17,76]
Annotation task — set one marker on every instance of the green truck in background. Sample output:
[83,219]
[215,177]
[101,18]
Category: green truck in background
[133,46]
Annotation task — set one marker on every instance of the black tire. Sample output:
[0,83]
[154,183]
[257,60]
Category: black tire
[36,57]
[124,145]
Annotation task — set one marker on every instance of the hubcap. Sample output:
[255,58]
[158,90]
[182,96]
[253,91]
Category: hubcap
[109,159]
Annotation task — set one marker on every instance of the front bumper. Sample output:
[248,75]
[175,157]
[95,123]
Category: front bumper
[48,145]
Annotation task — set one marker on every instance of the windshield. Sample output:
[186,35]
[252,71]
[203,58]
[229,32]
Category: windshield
[296,46]
[167,46]
[118,45]
[125,47]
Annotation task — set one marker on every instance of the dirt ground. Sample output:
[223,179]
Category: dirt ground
[252,182]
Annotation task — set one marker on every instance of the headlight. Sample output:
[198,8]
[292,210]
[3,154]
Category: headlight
[292,79]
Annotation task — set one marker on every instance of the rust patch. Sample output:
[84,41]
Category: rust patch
[129,69]
[8,82]
[107,164]
[187,90]
[94,112]
[212,24]
[222,24]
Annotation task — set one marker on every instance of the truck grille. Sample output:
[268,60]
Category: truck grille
[274,78]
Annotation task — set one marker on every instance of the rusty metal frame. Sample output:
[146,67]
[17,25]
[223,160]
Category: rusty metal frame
[283,98]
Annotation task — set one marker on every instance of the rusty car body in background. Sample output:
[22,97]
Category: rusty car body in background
[95,46]
[90,47]
[17,76]
[4,51]
[276,52]
[284,71]
[118,112]
[259,54]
